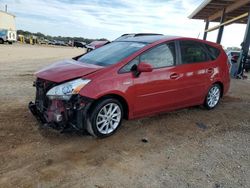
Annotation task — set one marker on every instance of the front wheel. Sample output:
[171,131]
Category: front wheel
[213,97]
[105,118]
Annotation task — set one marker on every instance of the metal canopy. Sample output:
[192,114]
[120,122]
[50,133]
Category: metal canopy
[211,10]
[226,12]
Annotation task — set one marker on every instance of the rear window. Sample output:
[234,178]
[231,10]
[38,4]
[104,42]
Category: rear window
[235,53]
[213,52]
[193,52]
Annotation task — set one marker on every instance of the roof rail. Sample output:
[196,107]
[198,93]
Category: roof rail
[139,34]
[146,34]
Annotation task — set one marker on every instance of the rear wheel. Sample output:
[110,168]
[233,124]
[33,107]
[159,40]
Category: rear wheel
[213,97]
[105,118]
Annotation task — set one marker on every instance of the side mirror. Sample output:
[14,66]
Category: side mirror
[144,67]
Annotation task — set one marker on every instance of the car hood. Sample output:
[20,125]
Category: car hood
[66,70]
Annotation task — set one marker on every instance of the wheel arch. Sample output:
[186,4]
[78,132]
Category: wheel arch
[121,99]
[221,85]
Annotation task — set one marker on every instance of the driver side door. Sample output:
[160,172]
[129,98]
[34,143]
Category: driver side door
[155,91]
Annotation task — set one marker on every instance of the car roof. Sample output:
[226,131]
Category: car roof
[233,51]
[144,37]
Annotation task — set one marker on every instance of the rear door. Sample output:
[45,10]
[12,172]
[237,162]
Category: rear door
[196,68]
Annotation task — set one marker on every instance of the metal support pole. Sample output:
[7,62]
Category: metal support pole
[206,27]
[245,48]
[221,29]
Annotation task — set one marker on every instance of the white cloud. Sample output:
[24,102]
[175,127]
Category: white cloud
[109,19]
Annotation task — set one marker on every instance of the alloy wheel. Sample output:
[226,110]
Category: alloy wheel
[108,118]
[213,96]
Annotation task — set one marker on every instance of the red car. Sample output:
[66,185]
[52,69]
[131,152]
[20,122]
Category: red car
[132,77]
[96,44]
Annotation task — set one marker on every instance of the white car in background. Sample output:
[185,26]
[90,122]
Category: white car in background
[9,36]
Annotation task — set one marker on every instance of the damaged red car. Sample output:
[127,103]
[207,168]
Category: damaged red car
[135,76]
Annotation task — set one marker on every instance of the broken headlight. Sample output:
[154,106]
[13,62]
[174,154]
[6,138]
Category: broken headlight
[66,90]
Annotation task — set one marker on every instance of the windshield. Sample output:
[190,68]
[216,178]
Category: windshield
[111,53]
[3,32]
[235,53]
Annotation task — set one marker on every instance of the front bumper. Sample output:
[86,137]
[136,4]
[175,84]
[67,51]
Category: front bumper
[68,115]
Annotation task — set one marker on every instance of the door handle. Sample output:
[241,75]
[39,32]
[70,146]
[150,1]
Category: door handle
[174,76]
[210,70]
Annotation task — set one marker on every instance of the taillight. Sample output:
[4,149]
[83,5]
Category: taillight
[235,58]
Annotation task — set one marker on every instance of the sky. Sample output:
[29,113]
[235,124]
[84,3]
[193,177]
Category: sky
[112,18]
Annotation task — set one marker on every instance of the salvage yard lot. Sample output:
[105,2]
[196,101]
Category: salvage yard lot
[187,148]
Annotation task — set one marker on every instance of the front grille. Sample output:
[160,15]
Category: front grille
[42,87]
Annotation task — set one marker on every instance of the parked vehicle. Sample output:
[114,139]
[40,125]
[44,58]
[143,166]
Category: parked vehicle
[8,36]
[232,60]
[130,78]
[96,44]
[59,43]
[233,57]
[43,41]
[79,44]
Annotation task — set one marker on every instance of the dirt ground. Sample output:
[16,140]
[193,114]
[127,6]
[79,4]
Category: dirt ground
[186,148]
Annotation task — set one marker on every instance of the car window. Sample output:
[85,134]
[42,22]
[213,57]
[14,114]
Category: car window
[193,52]
[160,56]
[235,53]
[213,52]
[127,67]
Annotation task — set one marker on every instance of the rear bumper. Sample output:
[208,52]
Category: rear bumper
[71,118]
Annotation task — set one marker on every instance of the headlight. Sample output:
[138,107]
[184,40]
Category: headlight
[66,90]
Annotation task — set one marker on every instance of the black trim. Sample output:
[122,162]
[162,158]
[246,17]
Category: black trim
[177,43]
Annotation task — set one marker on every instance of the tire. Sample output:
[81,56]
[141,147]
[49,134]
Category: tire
[1,41]
[101,122]
[246,70]
[10,42]
[213,97]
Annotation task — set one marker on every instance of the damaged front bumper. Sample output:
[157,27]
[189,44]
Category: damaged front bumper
[63,115]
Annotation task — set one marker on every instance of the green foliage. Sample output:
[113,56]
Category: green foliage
[41,36]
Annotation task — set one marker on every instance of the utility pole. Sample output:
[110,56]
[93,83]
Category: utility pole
[6,8]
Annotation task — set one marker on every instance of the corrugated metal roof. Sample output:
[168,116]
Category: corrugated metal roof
[212,9]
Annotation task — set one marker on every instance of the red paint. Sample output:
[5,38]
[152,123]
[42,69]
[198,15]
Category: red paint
[66,70]
[162,89]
